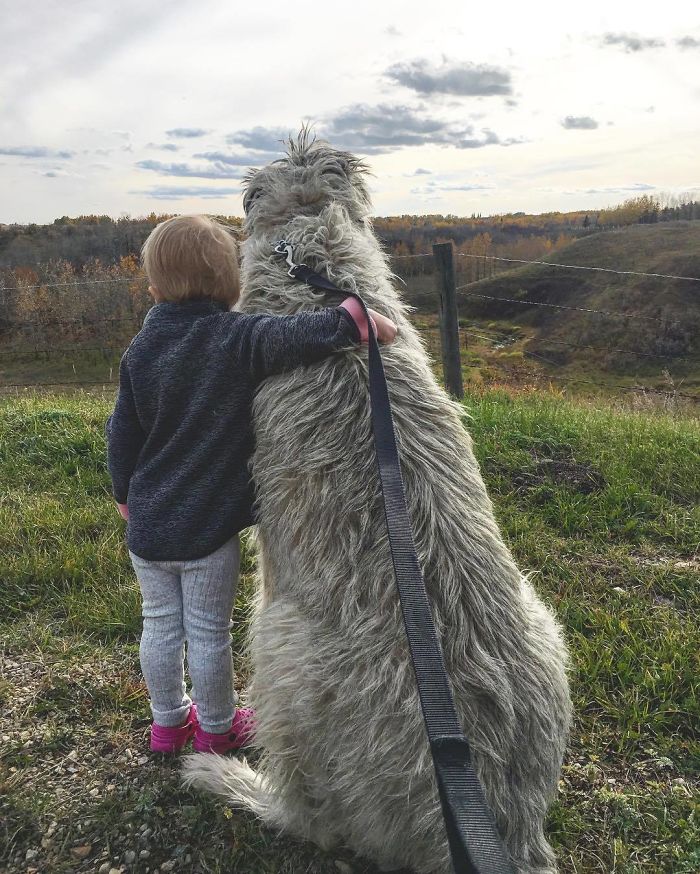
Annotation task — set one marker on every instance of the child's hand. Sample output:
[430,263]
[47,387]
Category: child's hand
[384,328]
[123,511]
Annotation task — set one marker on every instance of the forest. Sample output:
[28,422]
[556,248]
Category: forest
[89,238]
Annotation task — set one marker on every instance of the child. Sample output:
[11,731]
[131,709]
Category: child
[178,446]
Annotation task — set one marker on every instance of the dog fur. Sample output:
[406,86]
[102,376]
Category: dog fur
[345,756]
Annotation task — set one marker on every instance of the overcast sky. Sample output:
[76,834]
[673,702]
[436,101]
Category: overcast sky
[133,106]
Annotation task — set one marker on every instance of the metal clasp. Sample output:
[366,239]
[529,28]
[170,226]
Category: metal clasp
[282,247]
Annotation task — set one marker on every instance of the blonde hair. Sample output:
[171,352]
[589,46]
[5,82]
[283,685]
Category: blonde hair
[192,256]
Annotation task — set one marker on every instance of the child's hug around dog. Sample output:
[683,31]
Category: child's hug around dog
[180,441]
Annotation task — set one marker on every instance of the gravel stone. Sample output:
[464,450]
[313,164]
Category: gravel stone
[82,852]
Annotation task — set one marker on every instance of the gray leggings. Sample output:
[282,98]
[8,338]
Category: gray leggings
[189,601]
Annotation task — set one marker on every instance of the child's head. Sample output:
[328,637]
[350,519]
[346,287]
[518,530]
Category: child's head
[189,257]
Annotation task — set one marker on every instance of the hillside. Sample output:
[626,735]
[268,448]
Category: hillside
[646,325]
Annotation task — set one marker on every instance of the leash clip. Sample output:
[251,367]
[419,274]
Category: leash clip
[282,247]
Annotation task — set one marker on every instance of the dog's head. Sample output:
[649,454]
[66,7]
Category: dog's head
[315,197]
[309,177]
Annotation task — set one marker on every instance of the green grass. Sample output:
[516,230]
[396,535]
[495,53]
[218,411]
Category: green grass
[601,506]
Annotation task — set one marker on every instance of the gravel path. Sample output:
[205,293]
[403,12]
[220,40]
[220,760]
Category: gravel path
[80,792]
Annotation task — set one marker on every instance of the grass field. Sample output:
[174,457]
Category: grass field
[601,505]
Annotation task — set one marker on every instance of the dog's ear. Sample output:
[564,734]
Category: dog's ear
[252,188]
[250,195]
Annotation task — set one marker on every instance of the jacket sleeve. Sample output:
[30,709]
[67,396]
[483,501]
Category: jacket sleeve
[266,345]
[125,436]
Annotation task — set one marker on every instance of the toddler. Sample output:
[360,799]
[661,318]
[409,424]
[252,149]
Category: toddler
[178,447]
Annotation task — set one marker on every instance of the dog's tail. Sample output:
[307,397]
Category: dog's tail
[233,778]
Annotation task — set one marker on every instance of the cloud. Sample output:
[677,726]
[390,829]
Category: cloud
[392,30]
[579,122]
[465,187]
[463,80]
[421,171]
[215,170]
[96,38]
[384,128]
[162,192]
[432,188]
[567,166]
[186,132]
[688,42]
[636,188]
[369,130]
[245,160]
[34,152]
[631,43]
[163,147]
[264,139]
[59,173]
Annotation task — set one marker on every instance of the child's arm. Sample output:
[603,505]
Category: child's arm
[125,438]
[274,344]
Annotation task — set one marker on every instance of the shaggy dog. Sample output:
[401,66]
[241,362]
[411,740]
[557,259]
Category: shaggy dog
[345,755]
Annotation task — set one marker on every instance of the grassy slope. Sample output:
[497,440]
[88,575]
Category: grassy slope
[602,506]
[672,248]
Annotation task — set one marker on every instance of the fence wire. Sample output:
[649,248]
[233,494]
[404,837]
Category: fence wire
[554,264]
[96,333]
[558,306]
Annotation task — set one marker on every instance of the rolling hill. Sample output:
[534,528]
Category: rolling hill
[643,326]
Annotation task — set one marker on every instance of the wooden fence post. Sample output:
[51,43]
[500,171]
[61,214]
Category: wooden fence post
[449,322]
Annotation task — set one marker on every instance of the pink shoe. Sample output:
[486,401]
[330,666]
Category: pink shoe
[171,740]
[241,734]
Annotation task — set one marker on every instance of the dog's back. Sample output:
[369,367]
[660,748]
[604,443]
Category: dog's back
[346,757]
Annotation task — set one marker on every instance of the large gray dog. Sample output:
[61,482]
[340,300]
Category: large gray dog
[346,759]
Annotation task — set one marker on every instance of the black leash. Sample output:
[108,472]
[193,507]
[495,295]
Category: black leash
[475,845]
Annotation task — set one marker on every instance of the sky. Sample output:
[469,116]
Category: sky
[459,108]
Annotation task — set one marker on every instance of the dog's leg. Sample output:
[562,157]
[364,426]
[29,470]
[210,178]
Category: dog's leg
[283,692]
[539,741]
[281,792]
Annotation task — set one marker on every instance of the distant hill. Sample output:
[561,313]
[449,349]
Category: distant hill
[661,317]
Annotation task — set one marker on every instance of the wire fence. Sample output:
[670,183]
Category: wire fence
[556,306]
[65,332]
[486,257]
